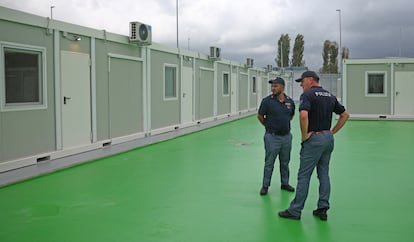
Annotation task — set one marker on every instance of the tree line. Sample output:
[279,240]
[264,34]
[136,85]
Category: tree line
[329,54]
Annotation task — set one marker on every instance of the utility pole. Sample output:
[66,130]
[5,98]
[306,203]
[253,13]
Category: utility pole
[176,9]
[400,42]
[340,41]
[339,83]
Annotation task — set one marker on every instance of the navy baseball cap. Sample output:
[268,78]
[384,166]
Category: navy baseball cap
[278,80]
[308,74]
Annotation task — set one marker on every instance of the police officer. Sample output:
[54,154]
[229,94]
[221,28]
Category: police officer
[316,108]
[275,113]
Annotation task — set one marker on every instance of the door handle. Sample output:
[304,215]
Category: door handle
[65,99]
[396,93]
[184,94]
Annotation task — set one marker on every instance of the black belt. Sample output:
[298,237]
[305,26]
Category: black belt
[320,132]
[278,133]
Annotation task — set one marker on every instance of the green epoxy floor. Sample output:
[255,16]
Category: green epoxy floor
[205,187]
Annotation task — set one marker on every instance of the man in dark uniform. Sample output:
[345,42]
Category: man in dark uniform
[275,113]
[316,108]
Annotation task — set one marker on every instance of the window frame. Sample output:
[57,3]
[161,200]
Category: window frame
[254,85]
[42,104]
[228,84]
[384,94]
[176,82]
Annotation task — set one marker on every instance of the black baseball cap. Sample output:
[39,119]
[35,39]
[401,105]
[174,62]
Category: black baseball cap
[278,80]
[308,74]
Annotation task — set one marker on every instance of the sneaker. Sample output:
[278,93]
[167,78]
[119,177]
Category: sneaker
[263,191]
[321,213]
[286,214]
[287,187]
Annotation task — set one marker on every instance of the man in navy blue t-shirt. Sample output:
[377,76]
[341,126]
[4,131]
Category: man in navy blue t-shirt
[275,113]
[316,108]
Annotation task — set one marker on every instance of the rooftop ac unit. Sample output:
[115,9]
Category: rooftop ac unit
[215,53]
[249,63]
[140,33]
[269,68]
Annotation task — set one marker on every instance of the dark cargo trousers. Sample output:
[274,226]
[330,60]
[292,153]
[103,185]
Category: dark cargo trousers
[315,152]
[277,145]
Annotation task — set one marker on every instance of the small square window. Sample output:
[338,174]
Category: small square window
[170,82]
[24,77]
[226,84]
[375,84]
[254,85]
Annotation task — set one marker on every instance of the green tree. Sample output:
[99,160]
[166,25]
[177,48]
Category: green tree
[282,59]
[334,58]
[298,48]
[330,57]
[325,57]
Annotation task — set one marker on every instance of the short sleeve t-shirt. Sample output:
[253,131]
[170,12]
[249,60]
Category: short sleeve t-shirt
[320,105]
[277,114]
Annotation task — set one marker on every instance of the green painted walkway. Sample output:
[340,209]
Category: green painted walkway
[205,187]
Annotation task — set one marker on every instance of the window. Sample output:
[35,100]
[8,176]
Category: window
[225,84]
[170,82]
[23,81]
[254,85]
[375,84]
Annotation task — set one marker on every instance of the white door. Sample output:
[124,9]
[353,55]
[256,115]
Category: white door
[76,103]
[404,98]
[187,95]
[233,88]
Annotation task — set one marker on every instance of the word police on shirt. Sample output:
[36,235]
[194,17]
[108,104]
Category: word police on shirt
[323,94]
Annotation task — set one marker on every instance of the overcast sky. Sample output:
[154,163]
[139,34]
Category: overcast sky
[246,28]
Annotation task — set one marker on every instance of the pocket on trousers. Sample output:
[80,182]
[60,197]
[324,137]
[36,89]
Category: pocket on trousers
[306,141]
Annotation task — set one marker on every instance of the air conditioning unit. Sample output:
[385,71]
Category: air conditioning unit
[249,63]
[215,53]
[269,68]
[140,33]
